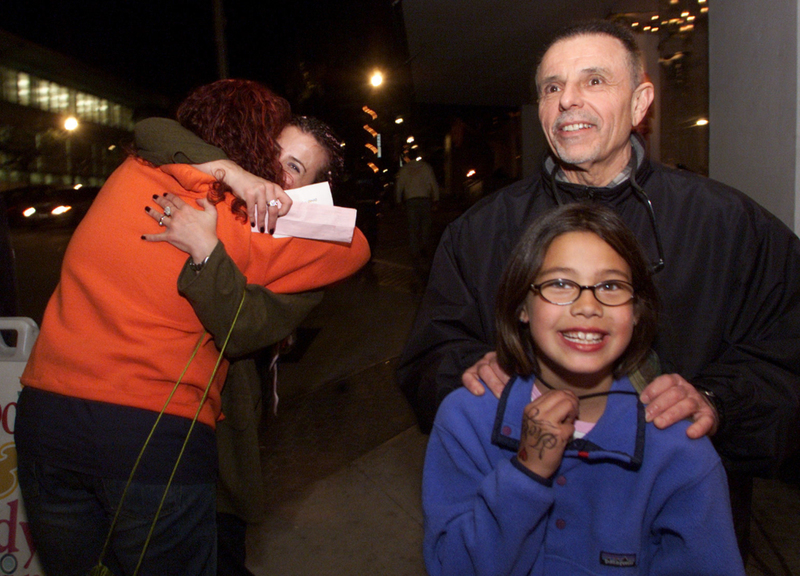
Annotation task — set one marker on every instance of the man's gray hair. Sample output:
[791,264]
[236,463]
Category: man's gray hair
[607,28]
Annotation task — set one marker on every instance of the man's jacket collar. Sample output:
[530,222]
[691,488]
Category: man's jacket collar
[566,192]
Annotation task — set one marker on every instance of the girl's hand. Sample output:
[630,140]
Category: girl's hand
[265,200]
[547,426]
[188,229]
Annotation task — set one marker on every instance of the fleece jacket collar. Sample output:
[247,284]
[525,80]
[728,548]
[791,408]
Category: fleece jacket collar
[617,437]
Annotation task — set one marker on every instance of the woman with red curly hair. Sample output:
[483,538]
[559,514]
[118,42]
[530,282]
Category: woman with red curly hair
[117,336]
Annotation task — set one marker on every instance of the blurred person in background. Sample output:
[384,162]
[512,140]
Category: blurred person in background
[416,186]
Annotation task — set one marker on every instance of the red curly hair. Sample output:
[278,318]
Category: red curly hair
[243,118]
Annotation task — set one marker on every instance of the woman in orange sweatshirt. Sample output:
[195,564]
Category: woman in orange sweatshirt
[117,335]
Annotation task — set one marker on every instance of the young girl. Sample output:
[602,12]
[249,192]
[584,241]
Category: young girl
[562,475]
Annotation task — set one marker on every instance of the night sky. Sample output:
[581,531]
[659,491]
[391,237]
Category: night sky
[167,46]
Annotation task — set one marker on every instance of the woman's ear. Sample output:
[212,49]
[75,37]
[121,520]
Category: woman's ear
[523,316]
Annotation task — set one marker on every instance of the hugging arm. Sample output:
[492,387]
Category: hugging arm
[164,141]
[266,317]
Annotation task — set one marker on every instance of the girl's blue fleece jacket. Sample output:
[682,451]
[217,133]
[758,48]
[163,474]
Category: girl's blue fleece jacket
[628,498]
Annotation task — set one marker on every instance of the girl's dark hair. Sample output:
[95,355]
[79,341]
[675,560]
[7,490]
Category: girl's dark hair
[244,119]
[325,137]
[516,351]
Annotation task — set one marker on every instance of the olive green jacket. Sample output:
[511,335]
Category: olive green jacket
[266,318]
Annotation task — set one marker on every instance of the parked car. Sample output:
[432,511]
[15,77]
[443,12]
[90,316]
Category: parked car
[45,205]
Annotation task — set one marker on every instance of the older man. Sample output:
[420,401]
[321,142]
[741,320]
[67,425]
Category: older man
[728,272]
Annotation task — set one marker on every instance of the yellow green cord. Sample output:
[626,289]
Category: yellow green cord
[101,570]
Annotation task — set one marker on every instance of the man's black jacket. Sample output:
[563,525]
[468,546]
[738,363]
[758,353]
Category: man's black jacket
[730,293]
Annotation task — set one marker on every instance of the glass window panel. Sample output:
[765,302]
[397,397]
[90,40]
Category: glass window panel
[59,98]
[127,118]
[94,108]
[115,115]
[9,79]
[23,89]
[41,93]
[102,111]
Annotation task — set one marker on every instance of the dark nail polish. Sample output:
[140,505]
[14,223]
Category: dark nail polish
[147,208]
[155,197]
[252,224]
[272,231]
[165,194]
[142,237]
[262,229]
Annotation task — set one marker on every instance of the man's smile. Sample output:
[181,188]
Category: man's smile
[575,127]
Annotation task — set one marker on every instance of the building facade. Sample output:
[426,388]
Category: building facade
[62,123]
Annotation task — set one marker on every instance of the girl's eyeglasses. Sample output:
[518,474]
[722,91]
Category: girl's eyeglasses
[564,292]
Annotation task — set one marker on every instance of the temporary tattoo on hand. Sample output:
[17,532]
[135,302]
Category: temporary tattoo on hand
[536,436]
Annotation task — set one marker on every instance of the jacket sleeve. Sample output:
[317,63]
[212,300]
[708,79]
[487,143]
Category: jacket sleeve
[266,317]
[480,518]
[701,541]
[756,374]
[448,335]
[164,141]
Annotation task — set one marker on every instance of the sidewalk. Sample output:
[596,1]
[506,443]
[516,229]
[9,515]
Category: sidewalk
[343,456]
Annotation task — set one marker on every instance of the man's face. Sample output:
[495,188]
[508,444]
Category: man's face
[588,106]
[302,157]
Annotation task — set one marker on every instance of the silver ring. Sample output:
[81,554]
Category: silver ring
[168,211]
[161,220]
[274,203]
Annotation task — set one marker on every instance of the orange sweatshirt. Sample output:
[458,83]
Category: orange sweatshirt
[116,330]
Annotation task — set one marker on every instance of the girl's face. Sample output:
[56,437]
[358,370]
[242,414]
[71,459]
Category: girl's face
[579,343]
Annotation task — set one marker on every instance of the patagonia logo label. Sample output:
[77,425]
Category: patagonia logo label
[619,560]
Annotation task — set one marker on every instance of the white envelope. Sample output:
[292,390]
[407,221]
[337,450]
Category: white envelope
[314,216]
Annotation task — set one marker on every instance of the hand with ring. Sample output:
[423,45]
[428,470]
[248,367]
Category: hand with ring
[266,200]
[189,229]
[167,213]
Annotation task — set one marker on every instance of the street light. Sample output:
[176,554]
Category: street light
[70,124]
[376,79]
